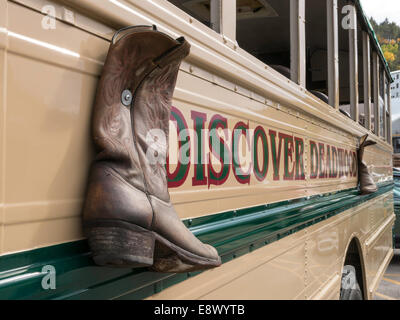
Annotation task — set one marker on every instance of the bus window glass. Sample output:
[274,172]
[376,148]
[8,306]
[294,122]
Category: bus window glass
[388,120]
[396,144]
[316,46]
[198,9]
[381,99]
[344,61]
[263,30]
[362,112]
[373,108]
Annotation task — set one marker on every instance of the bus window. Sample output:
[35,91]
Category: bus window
[350,62]
[344,62]
[382,110]
[388,112]
[263,30]
[396,144]
[366,94]
[374,93]
[205,11]
[362,112]
[316,46]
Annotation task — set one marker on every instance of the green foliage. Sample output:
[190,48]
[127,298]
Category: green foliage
[388,34]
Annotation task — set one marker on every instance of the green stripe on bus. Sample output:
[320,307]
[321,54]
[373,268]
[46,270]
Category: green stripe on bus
[233,233]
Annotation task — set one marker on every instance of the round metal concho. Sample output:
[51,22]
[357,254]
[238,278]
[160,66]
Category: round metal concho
[126,98]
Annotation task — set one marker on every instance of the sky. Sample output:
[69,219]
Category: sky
[381,9]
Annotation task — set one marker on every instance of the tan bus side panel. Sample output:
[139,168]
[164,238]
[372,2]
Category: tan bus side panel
[379,163]
[363,223]
[3,88]
[378,244]
[266,273]
[50,78]
[305,265]
[201,96]
[49,94]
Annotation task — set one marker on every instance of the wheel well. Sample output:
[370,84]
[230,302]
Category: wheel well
[354,257]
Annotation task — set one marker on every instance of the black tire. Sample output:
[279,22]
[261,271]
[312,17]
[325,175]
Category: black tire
[350,289]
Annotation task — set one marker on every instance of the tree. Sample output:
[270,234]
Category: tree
[388,34]
[389,56]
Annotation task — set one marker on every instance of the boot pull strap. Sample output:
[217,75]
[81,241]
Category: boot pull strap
[365,143]
[178,52]
[369,143]
[114,38]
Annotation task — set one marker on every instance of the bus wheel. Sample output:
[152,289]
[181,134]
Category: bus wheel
[350,289]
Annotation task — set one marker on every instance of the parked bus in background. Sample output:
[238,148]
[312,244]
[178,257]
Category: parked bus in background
[396,199]
[295,89]
[396,150]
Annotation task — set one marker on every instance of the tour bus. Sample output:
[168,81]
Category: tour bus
[396,150]
[396,190]
[303,82]
[396,204]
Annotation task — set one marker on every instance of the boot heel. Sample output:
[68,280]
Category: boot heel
[118,245]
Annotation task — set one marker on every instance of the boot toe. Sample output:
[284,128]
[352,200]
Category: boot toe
[213,253]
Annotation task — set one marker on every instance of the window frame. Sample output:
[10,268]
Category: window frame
[223,21]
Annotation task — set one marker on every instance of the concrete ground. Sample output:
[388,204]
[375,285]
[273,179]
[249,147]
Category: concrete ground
[389,288]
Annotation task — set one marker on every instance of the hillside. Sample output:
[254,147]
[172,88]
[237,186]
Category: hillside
[388,34]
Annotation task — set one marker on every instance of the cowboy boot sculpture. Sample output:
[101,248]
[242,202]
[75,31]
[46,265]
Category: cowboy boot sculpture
[128,217]
[366,182]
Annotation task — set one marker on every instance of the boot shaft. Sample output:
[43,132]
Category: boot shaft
[366,181]
[151,113]
[135,89]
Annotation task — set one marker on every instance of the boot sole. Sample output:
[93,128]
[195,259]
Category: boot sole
[116,243]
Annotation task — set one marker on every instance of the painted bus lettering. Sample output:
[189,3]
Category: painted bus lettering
[328,161]
[217,152]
